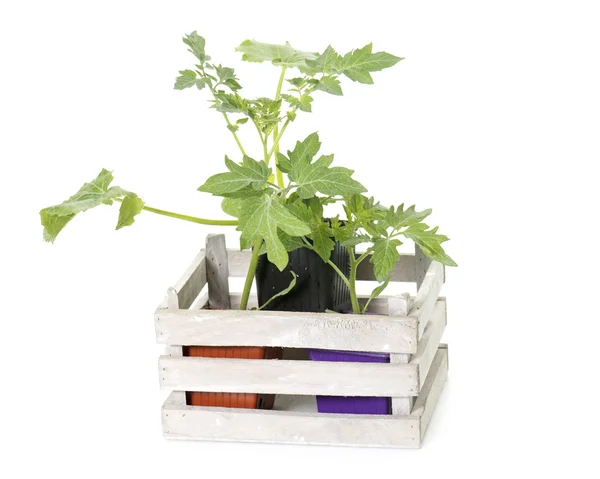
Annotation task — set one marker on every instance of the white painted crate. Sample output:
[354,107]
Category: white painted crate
[409,329]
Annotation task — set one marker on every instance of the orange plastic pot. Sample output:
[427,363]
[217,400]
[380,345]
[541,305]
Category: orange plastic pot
[234,400]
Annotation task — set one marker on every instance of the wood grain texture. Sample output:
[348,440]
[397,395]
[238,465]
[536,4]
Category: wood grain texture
[287,329]
[430,341]
[422,263]
[193,280]
[404,270]
[399,306]
[428,398]
[288,377]
[246,425]
[302,426]
[427,295]
[217,271]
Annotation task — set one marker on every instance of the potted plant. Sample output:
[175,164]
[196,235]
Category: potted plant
[278,204]
[377,229]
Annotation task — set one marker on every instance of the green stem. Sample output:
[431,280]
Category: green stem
[237,140]
[338,271]
[353,297]
[250,274]
[193,219]
[276,140]
[276,130]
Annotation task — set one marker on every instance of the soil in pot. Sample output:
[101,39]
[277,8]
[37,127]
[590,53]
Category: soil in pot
[351,404]
[318,286]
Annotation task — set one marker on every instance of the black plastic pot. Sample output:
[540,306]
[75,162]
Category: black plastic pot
[318,286]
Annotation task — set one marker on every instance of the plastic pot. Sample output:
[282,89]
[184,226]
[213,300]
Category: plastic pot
[351,404]
[318,286]
[234,400]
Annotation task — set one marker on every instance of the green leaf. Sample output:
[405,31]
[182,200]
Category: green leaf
[322,242]
[430,242]
[232,206]
[401,218]
[302,103]
[96,192]
[357,64]
[186,79]
[330,84]
[283,55]
[283,163]
[196,44]
[131,206]
[325,62]
[283,292]
[251,173]
[384,257]
[313,178]
[377,291]
[306,149]
[262,218]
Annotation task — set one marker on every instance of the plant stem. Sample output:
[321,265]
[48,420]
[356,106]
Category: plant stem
[250,274]
[193,219]
[237,140]
[353,266]
[276,130]
[276,140]
[339,272]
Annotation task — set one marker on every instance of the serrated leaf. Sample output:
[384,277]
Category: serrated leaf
[322,242]
[282,292]
[298,82]
[131,206]
[262,218]
[430,242]
[325,62]
[96,192]
[283,55]
[201,83]
[305,149]
[384,257]
[283,163]
[400,218]
[251,173]
[186,79]
[330,84]
[377,291]
[232,128]
[196,44]
[313,178]
[357,64]
[356,240]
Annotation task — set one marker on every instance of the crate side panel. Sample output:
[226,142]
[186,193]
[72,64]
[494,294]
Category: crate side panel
[288,377]
[287,329]
[222,424]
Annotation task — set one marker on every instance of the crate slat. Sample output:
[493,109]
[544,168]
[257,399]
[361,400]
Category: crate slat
[429,342]
[291,427]
[217,271]
[288,377]
[288,329]
[427,401]
[427,295]
[189,285]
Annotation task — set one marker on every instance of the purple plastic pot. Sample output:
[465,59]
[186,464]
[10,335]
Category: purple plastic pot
[351,404]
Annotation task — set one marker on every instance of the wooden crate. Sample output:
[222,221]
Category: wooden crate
[408,328]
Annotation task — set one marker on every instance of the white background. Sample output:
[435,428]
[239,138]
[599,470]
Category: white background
[492,120]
